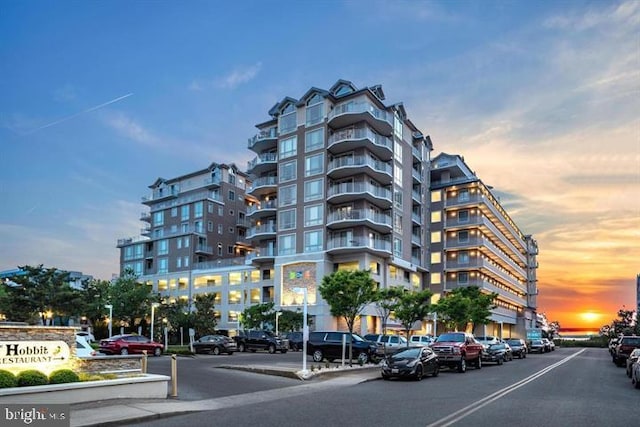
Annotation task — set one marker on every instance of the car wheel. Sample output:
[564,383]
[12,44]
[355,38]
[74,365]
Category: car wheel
[419,373]
[317,356]
[283,351]
[363,358]
[124,351]
[157,351]
[272,349]
[462,366]
[479,362]
[241,348]
[436,371]
[216,350]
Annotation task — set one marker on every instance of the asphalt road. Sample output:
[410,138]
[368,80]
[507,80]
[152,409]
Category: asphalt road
[568,387]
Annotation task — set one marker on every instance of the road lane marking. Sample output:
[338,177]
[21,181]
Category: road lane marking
[470,409]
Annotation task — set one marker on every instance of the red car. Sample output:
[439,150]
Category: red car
[130,344]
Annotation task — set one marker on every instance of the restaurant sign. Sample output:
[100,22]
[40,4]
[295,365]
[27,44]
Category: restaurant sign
[29,353]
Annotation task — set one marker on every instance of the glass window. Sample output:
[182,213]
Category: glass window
[315,114]
[163,247]
[313,241]
[397,151]
[287,195]
[463,216]
[397,198]
[436,196]
[184,213]
[397,174]
[232,195]
[288,147]
[314,140]
[220,210]
[220,228]
[235,278]
[198,209]
[287,244]
[435,278]
[436,216]
[313,190]
[436,257]
[463,257]
[463,277]
[163,265]
[139,251]
[314,165]
[397,126]
[287,219]
[463,196]
[158,218]
[313,215]
[128,253]
[174,211]
[288,120]
[397,247]
[463,236]
[287,171]
[436,237]
[397,223]
[179,243]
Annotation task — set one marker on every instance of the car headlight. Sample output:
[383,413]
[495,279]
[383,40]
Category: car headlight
[455,350]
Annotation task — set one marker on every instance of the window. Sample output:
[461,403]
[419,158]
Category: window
[220,210]
[288,119]
[197,227]
[436,216]
[313,215]
[128,253]
[463,257]
[313,241]
[397,151]
[314,140]
[397,174]
[184,227]
[137,268]
[163,247]
[287,195]
[463,236]
[174,211]
[158,218]
[139,251]
[463,196]
[287,244]
[186,242]
[179,262]
[397,223]
[397,198]
[198,209]
[288,147]
[397,126]
[315,110]
[463,277]
[220,227]
[210,227]
[287,171]
[436,196]
[163,265]
[463,216]
[179,243]
[397,247]
[232,195]
[210,207]
[436,257]
[313,190]
[184,212]
[435,278]
[314,165]
[436,237]
[287,219]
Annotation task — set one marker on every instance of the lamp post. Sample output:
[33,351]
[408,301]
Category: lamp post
[278,314]
[305,327]
[110,307]
[153,309]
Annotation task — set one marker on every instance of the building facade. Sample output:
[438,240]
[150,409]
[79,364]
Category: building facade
[474,242]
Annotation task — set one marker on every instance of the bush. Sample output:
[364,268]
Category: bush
[7,379]
[62,376]
[32,377]
[83,376]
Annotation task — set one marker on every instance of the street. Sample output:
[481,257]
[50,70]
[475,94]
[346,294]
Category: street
[568,387]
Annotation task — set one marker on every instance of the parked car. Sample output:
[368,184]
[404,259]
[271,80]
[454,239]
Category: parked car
[295,341]
[518,347]
[130,344]
[633,358]
[457,350]
[83,348]
[421,340]
[495,353]
[625,346]
[389,343]
[486,341]
[215,344]
[635,374]
[260,340]
[613,343]
[537,346]
[414,362]
[328,345]
[87,336]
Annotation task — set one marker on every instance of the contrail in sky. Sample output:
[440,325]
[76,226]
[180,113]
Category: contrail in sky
[88,110]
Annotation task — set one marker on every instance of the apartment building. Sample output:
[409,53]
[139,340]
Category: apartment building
[474,242]
[340,180]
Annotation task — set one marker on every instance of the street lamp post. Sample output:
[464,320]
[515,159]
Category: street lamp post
[305,327]
[278,314]
[110,307]
[153,308]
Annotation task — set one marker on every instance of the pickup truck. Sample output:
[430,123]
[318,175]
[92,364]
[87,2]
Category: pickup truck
[458,350]
[260,340]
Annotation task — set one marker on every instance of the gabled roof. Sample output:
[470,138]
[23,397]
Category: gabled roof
[310,93]
[157,182]
[275,110]
[377,91]
[340,83]
[399,108]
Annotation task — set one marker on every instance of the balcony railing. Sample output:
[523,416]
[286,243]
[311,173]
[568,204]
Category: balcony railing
[263,181]
[268,205]
[262,159]
[359,187]
[361,133]
[261,229]
[271,133]
[358,242]
[358,161]
[361,107]
[359,215]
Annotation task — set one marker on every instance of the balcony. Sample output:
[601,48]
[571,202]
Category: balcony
[415,195]
[354,138]
[416,153]
[261,232]
[213,181]
[203,249]
[358,244]
[263,209]
[347,166]
[417,175]
[160,195]
[416,239]
[263,186]
[416,218]
[262,163]
[130,240]
[145,231]
[261,255]
[145,216]
[360,217]
[348,191]
[350,113]
[263,140]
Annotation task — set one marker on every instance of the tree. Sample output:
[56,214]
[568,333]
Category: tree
[412,307]
[347,292]
[454,309]
[204,320]
[386,299]
[255,316]
[289,321]
[480,306]
[131,299]
[466,305]
[625,324]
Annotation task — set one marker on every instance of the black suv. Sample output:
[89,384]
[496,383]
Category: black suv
[295,341]
[328,345]
[626,345]
[260,340]
[518,347]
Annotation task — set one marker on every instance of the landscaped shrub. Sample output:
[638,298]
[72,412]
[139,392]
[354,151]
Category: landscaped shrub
[7,379]
[84,376]
[63,376]
[32,377]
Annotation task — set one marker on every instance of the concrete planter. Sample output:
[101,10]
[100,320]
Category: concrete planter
[147,386]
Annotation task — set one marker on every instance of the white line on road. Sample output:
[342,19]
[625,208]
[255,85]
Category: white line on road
[470,409]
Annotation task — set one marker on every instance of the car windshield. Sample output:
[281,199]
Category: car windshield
[409,353]
[451,338]
[514,342]
[536,342]
[357,338]
[631,341]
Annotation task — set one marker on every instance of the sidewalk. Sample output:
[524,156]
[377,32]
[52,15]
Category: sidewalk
[121,412]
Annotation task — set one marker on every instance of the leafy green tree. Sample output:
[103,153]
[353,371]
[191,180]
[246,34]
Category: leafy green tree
[411,308]
[624,324]
[204,320]
[289,321]
[480,305]
[466,305]
[386,301]
[131,299]
[453,309]
[348,292]
[255,316]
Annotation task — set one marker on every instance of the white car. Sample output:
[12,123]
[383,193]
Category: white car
[421,340]
[87,335]
[83,349]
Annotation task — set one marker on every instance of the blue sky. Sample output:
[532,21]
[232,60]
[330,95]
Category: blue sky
[541,98]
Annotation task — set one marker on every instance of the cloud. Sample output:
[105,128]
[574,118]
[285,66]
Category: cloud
[230,81]
[131,129]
